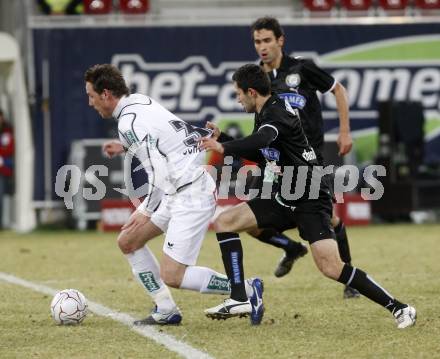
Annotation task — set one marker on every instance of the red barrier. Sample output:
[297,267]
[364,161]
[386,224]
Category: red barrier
[354,211]
[114,213]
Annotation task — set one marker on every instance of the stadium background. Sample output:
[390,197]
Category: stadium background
[183,54]
[186,62]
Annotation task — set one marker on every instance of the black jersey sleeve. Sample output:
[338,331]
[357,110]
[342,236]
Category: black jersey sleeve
[317,77]
[224,137]
[248,147]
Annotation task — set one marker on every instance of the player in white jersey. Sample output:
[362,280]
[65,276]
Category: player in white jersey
[178,185]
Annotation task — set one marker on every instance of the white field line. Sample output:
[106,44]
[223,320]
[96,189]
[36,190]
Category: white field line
[152,333]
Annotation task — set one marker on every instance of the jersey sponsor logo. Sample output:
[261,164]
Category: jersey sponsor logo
[293,80]
[309,155]
[271,170]
[294,99]
[130,136]
[271,154]
[191,151]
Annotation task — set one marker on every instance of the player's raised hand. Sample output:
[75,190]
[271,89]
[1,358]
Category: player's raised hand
[112,148]
[344,143]
[216,131]
[210,144]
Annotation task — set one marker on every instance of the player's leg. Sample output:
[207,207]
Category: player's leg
[191,212]
[139,231]
[185,235]
[208,281]
[257,213]
[326,256]
[342,240]
[293,250]
[145,268]
[227,225]
[190,217]
[344,252]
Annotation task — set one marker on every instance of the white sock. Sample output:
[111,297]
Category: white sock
[208,281]
[145,269]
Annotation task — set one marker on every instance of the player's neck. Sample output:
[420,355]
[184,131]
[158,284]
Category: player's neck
[260,101]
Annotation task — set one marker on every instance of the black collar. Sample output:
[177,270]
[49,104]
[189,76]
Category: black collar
[286,62]
[268,102]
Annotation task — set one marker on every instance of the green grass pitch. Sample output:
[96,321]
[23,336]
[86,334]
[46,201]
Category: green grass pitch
[306,316]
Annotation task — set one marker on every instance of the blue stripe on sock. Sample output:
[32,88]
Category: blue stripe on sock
[235,268]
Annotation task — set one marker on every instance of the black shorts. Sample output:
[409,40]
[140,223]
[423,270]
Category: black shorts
[311,217]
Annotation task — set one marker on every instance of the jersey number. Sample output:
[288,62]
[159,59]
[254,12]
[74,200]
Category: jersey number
[193,134]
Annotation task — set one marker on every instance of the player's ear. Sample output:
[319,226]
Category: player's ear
[106,94]
[281,41]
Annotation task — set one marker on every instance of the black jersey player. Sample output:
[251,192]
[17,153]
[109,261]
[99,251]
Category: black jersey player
[297,81]
[278,137]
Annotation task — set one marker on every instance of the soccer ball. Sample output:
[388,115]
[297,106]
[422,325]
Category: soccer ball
[68,307]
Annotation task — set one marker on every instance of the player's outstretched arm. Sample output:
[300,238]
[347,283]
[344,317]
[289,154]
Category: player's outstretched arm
[210,144]
[247,147]
[344,139]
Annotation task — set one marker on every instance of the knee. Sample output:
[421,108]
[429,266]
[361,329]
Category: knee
[170,278]
[255,232]
[125,243]
[223,223]
[330,269]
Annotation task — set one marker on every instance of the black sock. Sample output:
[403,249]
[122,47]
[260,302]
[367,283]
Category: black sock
[232,255]
[357,279]
[342,240]
[274,238]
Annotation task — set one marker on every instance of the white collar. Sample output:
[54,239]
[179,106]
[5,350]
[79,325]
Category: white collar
[121,103]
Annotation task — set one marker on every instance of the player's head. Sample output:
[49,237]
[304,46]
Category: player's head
[104,86]
[268,37]
[250,82]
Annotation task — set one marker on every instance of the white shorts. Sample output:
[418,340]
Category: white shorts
[185,217]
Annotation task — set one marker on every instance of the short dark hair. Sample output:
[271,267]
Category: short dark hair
[252,76]
[106,76]
[268,23]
